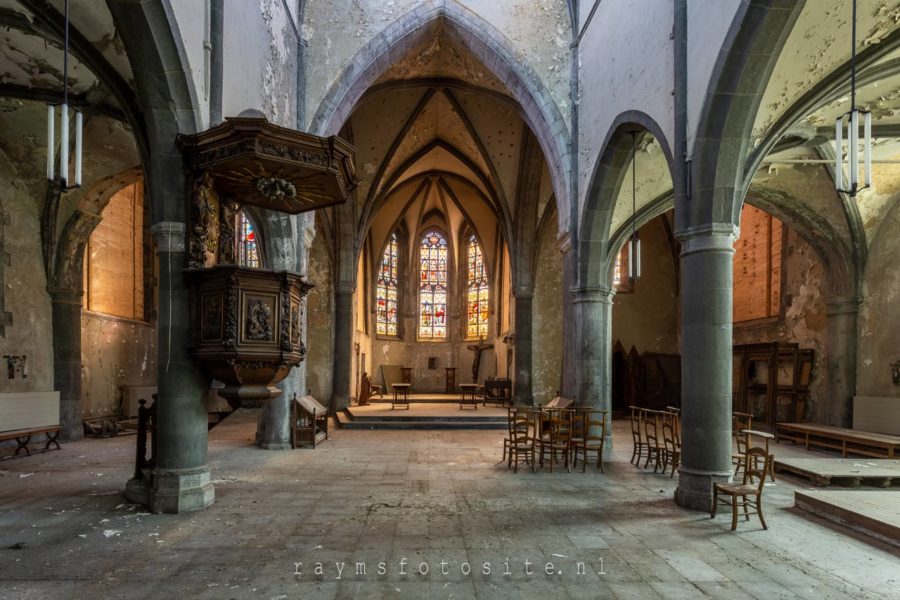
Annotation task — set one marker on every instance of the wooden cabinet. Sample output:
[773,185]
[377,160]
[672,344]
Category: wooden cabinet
[771,381]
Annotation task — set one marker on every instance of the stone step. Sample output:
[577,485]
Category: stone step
[347,421]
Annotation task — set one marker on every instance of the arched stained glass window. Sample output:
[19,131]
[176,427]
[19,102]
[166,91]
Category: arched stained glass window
[477,294]
[433,287]
[386,297]
[248,249]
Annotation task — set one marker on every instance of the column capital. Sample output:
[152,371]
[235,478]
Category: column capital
[709,237]
[842,305]
[65,296]
[523,291]
[169,236]
[592,294]
[343,288]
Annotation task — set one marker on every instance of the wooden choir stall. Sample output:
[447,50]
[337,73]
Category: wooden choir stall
[309,422]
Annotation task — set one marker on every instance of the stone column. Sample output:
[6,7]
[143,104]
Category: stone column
[706,342]
[343,347]
[524,317]
[273,429]
[841,361]
[592,308]
[567,376]
[181,479]
[66,312]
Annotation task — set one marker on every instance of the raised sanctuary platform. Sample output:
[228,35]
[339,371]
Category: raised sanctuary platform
[875,513]
[434,414]
[843,471]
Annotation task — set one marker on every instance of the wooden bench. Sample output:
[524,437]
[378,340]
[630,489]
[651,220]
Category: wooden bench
[23,415]
[848,441]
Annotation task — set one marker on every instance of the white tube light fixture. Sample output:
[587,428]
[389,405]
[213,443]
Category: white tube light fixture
[851,120]
[634,244]
[62,178]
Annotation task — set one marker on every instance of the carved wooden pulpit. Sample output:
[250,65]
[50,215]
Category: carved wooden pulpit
[245,321]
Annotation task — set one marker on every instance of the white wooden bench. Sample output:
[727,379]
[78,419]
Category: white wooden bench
[25,414]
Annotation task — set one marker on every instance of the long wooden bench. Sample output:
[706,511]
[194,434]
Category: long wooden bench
[848,441]
[23,415]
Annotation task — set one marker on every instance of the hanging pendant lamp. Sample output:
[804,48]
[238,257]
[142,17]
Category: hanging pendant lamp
[62,178]
[634,243]
[851,120]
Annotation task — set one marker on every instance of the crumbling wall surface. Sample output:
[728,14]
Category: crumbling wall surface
[625,62]
[879,323]
[320,319]
[538,32]
[647,317]
[805,319]
[191,20]
[24,287]
[115,353]
[547,317]
[260,60]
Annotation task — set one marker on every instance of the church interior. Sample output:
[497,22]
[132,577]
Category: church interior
[450,299]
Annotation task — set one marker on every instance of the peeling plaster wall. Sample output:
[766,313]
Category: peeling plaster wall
[260,60]
[538,31]
[191,19]
[817,45]
[613,79]
[647,318]
[547,314]
[805,319]
[24,286]
[320,319]
[879,325]
[114,353]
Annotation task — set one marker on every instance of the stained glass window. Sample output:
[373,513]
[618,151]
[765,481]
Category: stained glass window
[433,287]
[621,282]
[477,299]
[386,298]
[247,247]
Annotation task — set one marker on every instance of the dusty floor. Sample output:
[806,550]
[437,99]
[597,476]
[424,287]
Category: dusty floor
[416,498]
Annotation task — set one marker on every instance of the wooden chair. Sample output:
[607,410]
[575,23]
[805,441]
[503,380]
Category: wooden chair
[588,433]
[749,491]
[368,390]
[511,412]
[671,442]
[740,422]
[555,432]
[521,439]
[651,437]
[749,433]
[640,446]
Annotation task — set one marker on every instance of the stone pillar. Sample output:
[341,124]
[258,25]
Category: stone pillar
[181,479]
[66,312]
[343,347]
[592,308]
[273,431]
[706,343]
[524,317]
[841,361]
[567,375]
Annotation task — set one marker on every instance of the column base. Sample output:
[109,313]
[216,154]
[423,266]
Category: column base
[173,491]
[274,445]
[695,488]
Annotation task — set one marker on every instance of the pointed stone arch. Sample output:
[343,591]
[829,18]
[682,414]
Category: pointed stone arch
[593,243]
[488,45]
